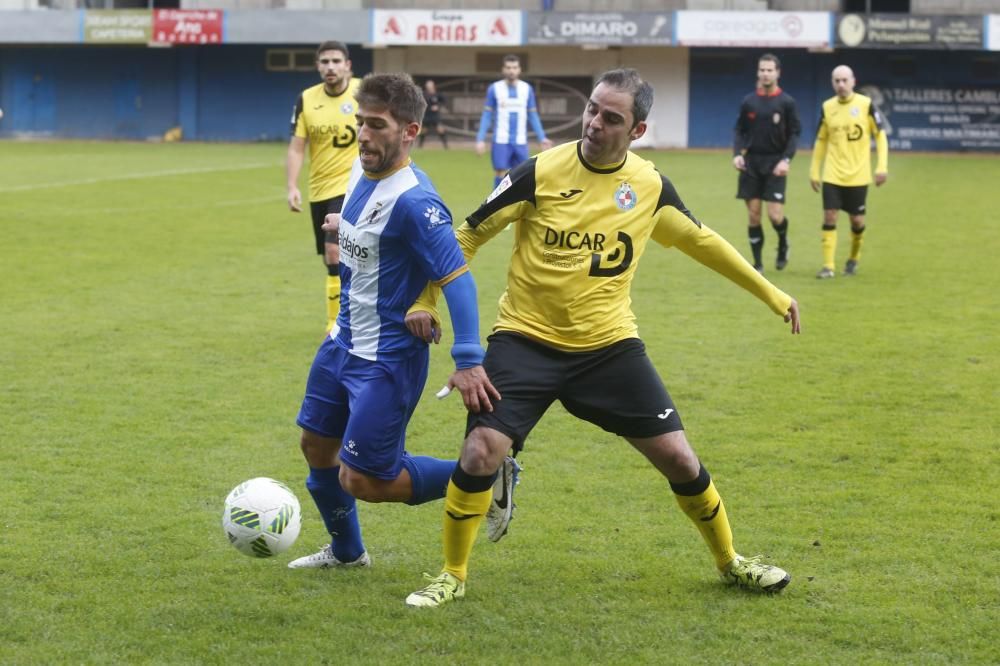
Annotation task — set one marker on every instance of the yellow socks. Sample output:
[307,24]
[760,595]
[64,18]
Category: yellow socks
[708,513]
[463,512]
[829,247]
[857,240]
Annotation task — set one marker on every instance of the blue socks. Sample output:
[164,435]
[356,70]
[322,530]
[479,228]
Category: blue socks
[496,181]
[430,477]
[339,511]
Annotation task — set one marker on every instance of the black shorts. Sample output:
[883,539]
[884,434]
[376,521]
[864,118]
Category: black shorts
[616,388]
[848,199]
[319,210]
[758,182]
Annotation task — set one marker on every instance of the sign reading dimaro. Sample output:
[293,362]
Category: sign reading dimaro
[881,31]
[445,28]
[608,28]
[764,29]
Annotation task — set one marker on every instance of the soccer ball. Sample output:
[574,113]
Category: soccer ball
[262,517]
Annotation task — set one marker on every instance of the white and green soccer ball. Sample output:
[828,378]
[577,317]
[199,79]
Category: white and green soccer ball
[262,517]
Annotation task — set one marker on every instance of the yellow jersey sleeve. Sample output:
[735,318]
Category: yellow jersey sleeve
[674,229]
[819,150]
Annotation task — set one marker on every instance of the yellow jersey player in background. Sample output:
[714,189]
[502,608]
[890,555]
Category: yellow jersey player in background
[585,213]
[324,118]
[847,124]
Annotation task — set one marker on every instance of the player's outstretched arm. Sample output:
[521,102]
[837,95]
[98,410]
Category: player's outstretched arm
[469,377]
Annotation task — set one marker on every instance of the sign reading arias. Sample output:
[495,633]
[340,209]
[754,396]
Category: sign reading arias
[445,27]
[610,28]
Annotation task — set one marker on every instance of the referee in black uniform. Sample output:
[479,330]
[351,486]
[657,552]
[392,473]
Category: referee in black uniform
[764,141]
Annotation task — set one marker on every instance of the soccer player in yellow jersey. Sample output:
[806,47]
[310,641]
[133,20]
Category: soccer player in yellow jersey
[585,212]
[847,124]
[324,118]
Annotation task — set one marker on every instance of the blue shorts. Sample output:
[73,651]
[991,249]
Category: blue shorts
[365,404]
[506,156]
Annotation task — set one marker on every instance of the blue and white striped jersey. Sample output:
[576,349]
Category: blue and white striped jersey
[395,236]
[510,105]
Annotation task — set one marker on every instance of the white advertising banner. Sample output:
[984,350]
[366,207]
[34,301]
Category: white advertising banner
[992,30]
[765,29]
[445,27]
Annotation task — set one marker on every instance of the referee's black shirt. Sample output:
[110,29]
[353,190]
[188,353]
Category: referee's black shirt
[768,125]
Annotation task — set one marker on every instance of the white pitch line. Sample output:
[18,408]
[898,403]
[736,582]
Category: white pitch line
[275,199]
[137,176]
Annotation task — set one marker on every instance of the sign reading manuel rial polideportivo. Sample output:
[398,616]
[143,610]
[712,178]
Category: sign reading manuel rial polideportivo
[901,31]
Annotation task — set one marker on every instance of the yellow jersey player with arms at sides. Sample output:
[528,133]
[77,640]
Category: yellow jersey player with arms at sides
[847,124]
[324,118]
[585,213]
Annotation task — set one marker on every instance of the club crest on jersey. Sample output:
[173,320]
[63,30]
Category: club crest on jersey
[347,108]
[855,111]
[776,118]
[373,214]
[625,197]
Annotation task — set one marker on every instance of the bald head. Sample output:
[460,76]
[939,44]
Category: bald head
[843,81]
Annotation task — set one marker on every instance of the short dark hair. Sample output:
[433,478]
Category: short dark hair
[333,45]
[510,57]
[770,57]
[395,92]
[628,80]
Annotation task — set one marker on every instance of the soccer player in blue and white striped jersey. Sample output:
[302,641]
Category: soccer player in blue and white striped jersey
[395,236]
[510,106]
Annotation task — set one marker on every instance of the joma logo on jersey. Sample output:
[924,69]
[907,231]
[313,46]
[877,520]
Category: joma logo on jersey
[574,240]
[350,248]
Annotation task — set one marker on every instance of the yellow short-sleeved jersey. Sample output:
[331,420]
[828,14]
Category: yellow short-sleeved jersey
[580,233]
[329,125]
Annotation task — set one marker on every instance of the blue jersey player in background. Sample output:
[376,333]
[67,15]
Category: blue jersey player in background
[395,236]
[510,106]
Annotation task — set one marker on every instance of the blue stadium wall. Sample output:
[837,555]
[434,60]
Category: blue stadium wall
[720,78]
[216,94]
[227,94]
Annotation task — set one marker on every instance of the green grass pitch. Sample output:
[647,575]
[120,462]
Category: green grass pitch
[159,308]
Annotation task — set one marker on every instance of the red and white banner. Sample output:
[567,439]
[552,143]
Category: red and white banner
[445,27]
[187,26]
[765,29]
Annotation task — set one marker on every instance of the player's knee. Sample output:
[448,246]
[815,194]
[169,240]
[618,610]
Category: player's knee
[360,485]
[677,456]
[319,452]
[481,454]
